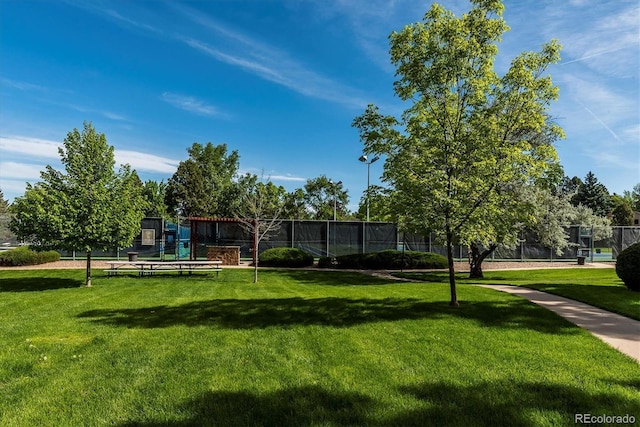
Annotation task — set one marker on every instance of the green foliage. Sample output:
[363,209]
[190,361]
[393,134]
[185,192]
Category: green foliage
[5,218]
[88,206]
[285,257]
[622,213]
[628,267]
[392,260]
[4,205]
[154,193]
[593,195]
[468,134]
[633,197]
[380,204]
[320,195]
[584,216]
[203,184]
[27,256]
[325,262]
[295,206]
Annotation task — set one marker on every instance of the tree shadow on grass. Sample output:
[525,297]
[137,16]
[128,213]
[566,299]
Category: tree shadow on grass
[300,406]
[329,277]
[513,403]
[37,284]
[499,403]
[334,312]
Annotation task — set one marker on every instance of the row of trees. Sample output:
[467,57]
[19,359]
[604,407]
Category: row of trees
[208,184]
[471,158]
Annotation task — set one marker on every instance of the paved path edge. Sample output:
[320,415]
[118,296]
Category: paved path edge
[620,332]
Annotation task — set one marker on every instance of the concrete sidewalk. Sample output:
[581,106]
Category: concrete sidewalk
[620,332]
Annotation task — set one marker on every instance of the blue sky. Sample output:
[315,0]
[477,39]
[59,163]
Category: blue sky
[281,81]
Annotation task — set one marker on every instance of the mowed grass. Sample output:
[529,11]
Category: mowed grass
[299,348]
[599,287]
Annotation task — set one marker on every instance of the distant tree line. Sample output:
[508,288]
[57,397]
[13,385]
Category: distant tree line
[208,184]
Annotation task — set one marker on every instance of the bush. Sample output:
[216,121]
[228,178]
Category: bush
[628,267]
[285,257]
[24,255]
[325,262]
[392,260]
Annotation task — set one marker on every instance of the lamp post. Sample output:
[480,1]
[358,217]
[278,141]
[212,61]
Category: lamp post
[368,162]
[334,186]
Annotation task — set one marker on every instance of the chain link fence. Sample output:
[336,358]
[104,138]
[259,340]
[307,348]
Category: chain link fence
[184,239]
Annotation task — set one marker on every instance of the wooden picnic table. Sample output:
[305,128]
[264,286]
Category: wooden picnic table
[151,267]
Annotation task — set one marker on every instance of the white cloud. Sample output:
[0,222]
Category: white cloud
[114,116]
[16,170]
[128,21]
[610,159]
[606,41]
[33,147]
[27,147]
[267,62]
[287,178]
[21,85]
[146,162]
[12,188]
[601,100]
[190,103]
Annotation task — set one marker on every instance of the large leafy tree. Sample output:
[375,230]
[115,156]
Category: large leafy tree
[295,206]
[594,195]
[622,212]
[86,207]
[322,195]
[204,184]
[380,204]
[468,133]
[4,205]
[634,197]
[5,233]
[154,193]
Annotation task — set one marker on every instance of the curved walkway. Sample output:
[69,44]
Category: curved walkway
[620,332]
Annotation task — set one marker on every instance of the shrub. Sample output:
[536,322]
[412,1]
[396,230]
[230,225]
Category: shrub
[285,257]
[325,262]
[392,260]
[24,255]
[628,267]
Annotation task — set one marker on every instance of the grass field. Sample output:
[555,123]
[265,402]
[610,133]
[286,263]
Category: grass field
[299,348]
[599,287]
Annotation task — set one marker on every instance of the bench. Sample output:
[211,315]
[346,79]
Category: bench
[151,267]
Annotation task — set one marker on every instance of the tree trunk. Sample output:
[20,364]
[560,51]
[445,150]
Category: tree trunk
[255,251]
[452,272]
[88,282]
[476,257]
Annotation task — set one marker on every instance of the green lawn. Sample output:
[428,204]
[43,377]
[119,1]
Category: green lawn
[599,287]
[300,348]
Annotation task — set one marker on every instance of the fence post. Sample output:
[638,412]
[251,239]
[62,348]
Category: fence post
[364,237]
[328,236]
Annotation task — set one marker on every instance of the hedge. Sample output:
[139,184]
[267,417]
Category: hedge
[24,255]
[628,267]
[285,257]
[392,260]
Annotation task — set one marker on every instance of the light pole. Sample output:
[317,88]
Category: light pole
[335,186]
[364,159]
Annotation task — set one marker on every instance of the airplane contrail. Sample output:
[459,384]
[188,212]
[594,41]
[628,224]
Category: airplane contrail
[599,121]
[592,55]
